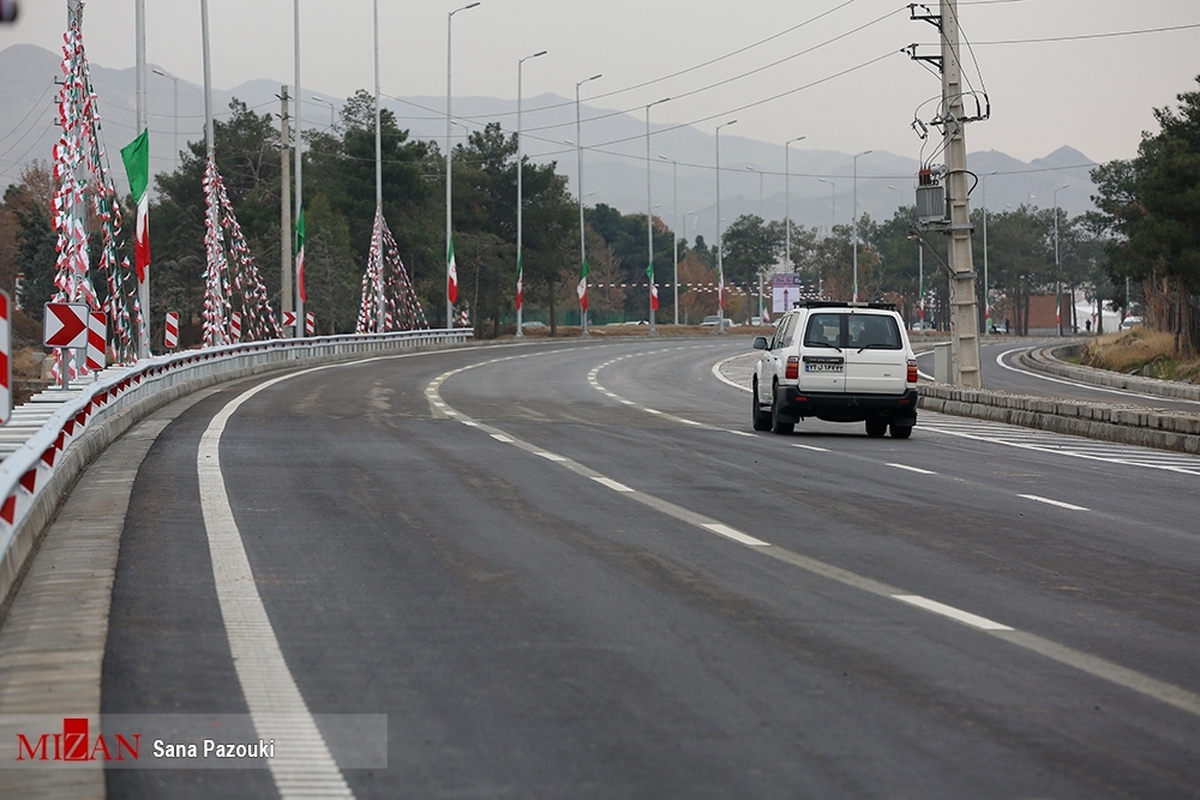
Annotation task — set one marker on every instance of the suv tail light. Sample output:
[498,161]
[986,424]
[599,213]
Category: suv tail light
[792,371]
[912,371]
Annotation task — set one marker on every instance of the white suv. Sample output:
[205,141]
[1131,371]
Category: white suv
[840,362]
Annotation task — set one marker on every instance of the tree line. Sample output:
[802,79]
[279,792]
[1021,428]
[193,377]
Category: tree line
[1145,228]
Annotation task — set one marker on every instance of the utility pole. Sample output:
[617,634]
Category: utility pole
[285,195]
[963,310]
[964,319]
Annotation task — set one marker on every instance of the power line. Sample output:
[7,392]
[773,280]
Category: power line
[1083,36]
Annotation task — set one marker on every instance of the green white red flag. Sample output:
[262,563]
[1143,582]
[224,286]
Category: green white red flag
[520,281]
[581,289]
[300,256]
[136,156]
[653,287]
[451,275]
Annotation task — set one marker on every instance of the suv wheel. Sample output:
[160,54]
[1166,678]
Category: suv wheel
[776,425]
[901,431]
[760,419]
[878,427]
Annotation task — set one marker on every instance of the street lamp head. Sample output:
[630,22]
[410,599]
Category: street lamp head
[798,138]
[160,72]
[585,80]
[656,102]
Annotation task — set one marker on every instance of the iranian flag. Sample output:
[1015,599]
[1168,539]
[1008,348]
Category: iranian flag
[136,156]
[653,287]
[720,288]
[520,281]
[451,275]
[300,256]
[581,289]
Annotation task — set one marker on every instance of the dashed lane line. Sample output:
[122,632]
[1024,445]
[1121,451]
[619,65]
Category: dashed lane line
[1133,680]
[1049,502]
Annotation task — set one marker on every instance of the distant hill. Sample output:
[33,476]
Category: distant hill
[614,161]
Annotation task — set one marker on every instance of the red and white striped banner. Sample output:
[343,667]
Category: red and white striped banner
[310,324]
[235,326]
[289,319]
[5,360]
[171,334]
[97,340]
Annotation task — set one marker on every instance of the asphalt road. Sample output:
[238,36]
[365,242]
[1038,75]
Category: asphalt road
[570,569]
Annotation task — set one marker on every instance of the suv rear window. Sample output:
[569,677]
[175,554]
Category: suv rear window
[858,331]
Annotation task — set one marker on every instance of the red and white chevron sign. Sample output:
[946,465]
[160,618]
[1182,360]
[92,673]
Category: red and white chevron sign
[235,326]
[97,340]
[66,325]
[310,324]
[171,334]
[5,360]
[289,319]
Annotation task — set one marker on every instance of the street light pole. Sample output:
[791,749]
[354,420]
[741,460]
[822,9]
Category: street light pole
[583,270]
[451,271]
[832,203]
[787,201]
[987,300]
[854,222]
[650,227]
[332,109]
[520,203]
[175,135]
[720,259]
[1057,268]
[675,231]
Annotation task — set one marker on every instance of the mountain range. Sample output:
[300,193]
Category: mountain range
[821,186]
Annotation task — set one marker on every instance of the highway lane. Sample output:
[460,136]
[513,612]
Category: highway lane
[1002,371]
[527,565]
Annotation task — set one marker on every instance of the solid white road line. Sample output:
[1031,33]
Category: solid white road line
[814,448]
[302,759]
[1049,502]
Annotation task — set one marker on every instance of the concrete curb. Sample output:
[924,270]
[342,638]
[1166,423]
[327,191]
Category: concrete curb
[1113,422]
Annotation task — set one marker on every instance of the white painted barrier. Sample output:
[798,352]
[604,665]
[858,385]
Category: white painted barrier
[34,478]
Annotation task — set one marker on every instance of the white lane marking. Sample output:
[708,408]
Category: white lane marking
[966,618]
[734,534]
[500,437]
[550,456]
[651,410]
[690,422]
[616,486]
[1080,384]
[917,470]
[276,706]
[469,423]
[742,433]
[1049,502]
[814,448]
[716,370]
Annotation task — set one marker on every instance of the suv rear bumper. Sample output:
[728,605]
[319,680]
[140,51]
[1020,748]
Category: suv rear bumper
[841,407]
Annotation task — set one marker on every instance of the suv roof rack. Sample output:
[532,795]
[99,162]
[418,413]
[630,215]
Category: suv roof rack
[841,304]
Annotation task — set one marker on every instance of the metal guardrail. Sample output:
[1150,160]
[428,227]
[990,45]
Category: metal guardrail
[44,466]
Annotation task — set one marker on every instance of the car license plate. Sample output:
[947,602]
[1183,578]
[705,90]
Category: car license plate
[819,366]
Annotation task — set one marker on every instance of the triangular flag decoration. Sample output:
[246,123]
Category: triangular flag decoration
[389,302]
[451,275]
[520,281]
[581,289]
[221,226]
[136,156]
[653,287]
[300,256]
[83,182]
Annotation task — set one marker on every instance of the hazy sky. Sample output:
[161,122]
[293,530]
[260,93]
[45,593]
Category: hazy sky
[1095,94]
